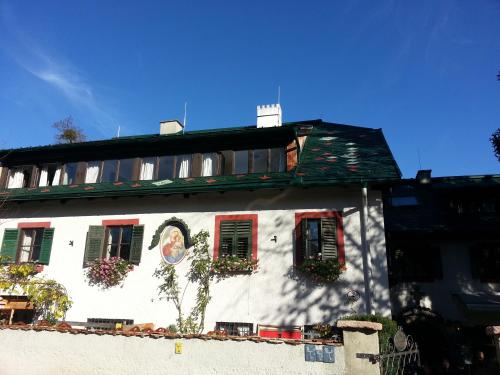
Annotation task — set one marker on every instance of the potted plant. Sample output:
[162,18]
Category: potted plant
[108,273]
[230,264]
[321,271]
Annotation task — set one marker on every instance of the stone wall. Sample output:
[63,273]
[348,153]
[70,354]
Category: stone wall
[53,352]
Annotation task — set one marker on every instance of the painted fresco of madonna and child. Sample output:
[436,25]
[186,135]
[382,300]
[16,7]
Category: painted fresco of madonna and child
[172,245]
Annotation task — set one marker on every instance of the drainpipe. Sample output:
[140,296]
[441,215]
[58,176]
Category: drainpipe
[365,247]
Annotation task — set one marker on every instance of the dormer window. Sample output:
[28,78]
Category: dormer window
[148,168]
[183,166]
[210,162]
[165,167]
[70,172]
[260,160]
[92,173]
[240,162]
[126,170]
[20,177]
[109,169]
[50,174]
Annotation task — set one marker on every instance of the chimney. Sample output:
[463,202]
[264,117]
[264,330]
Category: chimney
[170,127]
[424,176]
[268,115]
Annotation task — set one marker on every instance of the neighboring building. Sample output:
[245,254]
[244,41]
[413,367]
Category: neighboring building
[443,250]
[256,190]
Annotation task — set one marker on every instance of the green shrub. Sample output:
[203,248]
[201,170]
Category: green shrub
[389,326]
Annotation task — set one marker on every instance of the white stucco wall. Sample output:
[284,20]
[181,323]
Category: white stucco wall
[457,279]
[269,296]
[54,353]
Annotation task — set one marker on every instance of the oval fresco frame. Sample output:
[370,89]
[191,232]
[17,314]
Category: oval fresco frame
[159,235]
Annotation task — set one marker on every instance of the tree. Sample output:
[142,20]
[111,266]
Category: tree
[68,132]
[495,142]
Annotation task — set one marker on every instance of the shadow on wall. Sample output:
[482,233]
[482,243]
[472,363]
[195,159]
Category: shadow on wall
[331,302]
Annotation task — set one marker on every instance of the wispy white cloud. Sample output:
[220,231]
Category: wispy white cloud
[62,75]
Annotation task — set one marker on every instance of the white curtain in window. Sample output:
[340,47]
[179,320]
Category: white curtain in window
[111,239]
[147,170]
[209,163]
[43,177]
[92,173]
[25,249]
[57,176]
[16,180]
[184,161]
[65,178]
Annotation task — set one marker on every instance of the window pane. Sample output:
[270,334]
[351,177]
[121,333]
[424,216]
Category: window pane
[51,174]
[70,173]
[209,166]
[313,235]
[126,169]
[127,234]
[37,245]
[183,166]
[147,168]
[277,160]
[109,171]
[166,168]
[92,175]
[241,162]
[260,161]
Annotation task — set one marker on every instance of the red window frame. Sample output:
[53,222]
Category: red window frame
[318,215]
[28,225]
[251,217]
[108,223]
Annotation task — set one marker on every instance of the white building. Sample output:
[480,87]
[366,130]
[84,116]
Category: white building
[260,186]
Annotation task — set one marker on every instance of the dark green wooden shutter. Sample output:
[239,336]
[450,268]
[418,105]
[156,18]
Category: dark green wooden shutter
[95,243]
[227,229]
[136,246]
[328,238]
[46,247]
[9,245]
[236,238]
[243,239]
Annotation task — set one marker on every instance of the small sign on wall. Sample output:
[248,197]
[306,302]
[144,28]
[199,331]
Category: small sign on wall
[320,353]
[178,348]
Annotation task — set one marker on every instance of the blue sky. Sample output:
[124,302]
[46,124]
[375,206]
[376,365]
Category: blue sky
[424,72]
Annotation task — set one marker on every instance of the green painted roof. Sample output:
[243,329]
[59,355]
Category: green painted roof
[333,154]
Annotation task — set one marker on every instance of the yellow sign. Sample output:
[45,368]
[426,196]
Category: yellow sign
[178,348]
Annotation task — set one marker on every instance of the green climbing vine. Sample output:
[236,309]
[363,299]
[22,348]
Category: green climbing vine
[200,274]
[49,298]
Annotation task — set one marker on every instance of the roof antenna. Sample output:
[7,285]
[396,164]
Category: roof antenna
[118,132]
[279,94]
[185,117]
[419,162]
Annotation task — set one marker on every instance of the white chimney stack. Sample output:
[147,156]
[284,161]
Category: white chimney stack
[170,127]
[268,115]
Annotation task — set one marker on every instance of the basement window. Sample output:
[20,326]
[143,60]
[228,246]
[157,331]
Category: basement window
[235,328]
[107,324]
